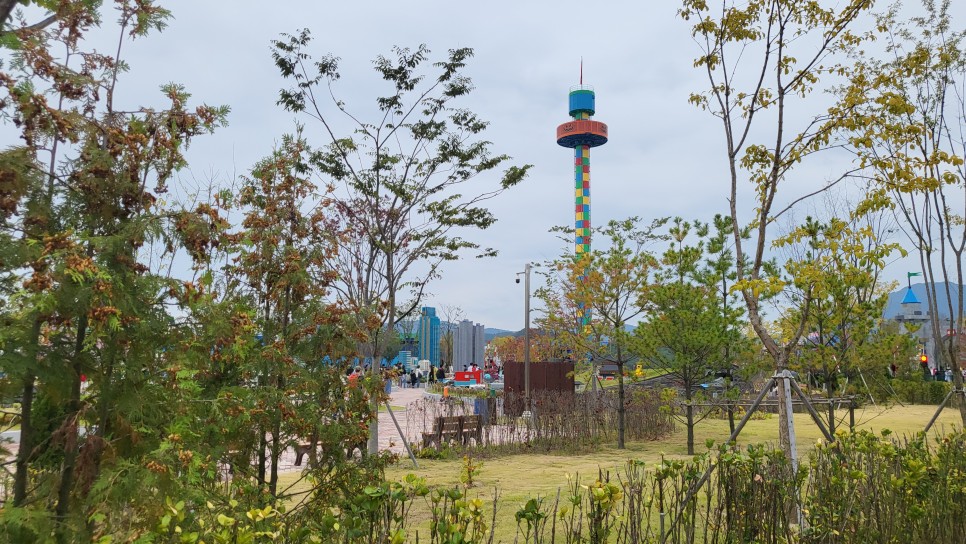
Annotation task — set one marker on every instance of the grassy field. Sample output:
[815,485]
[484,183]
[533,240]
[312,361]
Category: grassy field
[520,477]
[646,373]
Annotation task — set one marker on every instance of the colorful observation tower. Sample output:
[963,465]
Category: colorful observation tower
[581,134]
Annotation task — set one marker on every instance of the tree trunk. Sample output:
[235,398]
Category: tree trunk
[262,459]
[785,418]
[780,356]
[954,340]
[276,455]
[6,9]
[26,420]
[730,401]
[373,445]
[263,382]
[280,386]
[621,409]
[689,414]
[731,416]
[72,440]
[831,417]
[957,338]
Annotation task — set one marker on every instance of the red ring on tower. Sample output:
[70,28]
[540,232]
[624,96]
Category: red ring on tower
[582,132]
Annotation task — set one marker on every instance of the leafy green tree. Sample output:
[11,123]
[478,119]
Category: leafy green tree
[908,133]
[270,354]
[686,331]
[406,181]
[718,272]
[84,204]
[608,283]
[848,297]
[888,354]
[763,59]
[282,252]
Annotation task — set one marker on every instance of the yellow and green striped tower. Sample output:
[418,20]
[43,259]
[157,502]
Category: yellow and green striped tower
[581,134]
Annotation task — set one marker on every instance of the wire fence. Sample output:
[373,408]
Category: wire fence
[559,421]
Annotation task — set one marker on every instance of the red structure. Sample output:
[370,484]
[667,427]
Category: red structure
[467,376]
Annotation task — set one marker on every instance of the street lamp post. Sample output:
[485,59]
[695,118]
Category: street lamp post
[526,337]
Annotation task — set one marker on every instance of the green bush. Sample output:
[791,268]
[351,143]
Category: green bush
[446,451]
[872,488]
[917,391]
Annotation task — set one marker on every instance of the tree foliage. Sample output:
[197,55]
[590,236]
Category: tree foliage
[608,283]
[688,330]
[907,130]
[763,59]
[402,180]
[848,297]
[139,391]
[79,301]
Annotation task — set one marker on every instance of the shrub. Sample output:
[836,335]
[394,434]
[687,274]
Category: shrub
[444,452]
[871,488]
[917,391]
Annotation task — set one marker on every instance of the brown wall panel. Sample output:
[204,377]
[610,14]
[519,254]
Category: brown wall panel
[544,376]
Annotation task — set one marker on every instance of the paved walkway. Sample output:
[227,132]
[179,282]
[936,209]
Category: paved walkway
[389,438]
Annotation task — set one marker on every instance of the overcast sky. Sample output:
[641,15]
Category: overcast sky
[664,157]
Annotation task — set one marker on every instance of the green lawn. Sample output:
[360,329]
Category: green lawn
[519,477]
[629,378]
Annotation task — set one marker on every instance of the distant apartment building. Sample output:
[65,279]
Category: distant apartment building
[479,344]
[429,336]
[470,343]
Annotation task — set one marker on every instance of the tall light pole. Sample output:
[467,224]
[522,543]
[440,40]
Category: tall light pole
[526,336]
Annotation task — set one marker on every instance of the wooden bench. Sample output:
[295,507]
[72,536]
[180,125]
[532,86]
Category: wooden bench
[472,427]
[445,428]
[303,448]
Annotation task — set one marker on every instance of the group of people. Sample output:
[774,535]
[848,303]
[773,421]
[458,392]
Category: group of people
[490,368]
[416,376]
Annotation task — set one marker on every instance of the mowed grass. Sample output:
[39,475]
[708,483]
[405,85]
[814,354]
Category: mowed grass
[517,478]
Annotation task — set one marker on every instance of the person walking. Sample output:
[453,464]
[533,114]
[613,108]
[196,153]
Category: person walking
[414,378]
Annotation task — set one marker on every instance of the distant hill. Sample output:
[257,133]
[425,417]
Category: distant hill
[894,308]
[496,333]
[490,334]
